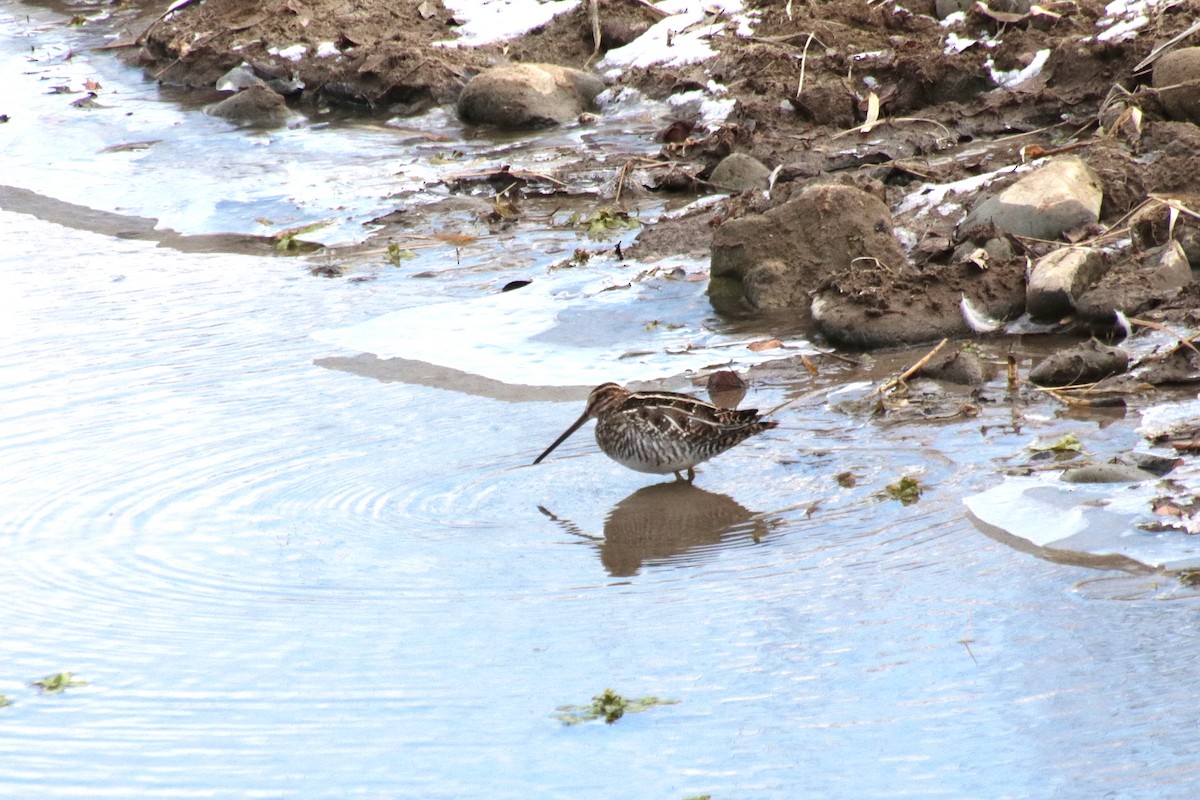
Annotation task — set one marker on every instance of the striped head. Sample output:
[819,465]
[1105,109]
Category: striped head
[605,398]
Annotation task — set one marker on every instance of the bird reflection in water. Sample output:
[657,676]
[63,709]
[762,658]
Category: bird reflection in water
[664,521]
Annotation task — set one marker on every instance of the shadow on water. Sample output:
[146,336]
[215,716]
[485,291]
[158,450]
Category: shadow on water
[422,373]
[125,226]
[664,522]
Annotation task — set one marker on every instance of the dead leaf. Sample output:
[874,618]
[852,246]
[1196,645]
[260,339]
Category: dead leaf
[91,85]
[456,239]
[764,344]
[872,113]
[426,10]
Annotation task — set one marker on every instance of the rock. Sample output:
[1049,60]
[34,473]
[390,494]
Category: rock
[528,95]
[1084,363]
[739,172]
[958,366]
[257,106]
[1059,196]
[1142,281]
[238,78]
[1177,77]
[908,316]
[1107,473]
[874,305]
[1151,227]
[774,260]
[996,249]
[1058,278]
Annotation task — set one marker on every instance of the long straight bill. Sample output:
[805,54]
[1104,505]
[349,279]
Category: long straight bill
[574,427]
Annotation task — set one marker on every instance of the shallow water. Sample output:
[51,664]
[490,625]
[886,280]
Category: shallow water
[282,577]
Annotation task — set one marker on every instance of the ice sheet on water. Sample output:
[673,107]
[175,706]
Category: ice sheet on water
[572,331]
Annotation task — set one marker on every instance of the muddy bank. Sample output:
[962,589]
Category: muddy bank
[943,112]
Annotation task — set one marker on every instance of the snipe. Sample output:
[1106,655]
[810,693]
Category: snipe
[662,432]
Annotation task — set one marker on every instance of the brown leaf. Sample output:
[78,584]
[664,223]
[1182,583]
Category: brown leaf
[456,239]
[764,344]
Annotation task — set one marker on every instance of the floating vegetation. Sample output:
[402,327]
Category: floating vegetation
[1067,444]
[396,254]
[55,684]
[4,701]
[609,705]
[286,241]
[907,490]
[604,222]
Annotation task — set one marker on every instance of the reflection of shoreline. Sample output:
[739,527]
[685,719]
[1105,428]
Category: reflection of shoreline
[423,373]
[661,522]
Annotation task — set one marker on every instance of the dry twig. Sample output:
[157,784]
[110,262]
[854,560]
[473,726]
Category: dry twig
[908,373]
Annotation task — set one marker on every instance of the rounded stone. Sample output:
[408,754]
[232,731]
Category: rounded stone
[739,172]
[256,106]
[1177,78]
[528,95]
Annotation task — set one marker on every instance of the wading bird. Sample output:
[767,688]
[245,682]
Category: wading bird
[662,432]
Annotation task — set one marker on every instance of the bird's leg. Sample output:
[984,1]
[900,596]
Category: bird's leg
[691,475]
[679,477]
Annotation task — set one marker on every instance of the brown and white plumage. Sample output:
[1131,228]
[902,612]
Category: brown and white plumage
[662,432]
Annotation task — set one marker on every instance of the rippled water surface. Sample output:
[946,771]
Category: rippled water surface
[284,577]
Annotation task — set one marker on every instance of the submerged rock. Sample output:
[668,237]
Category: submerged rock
[256,105]
[957,366]
[1057,197]
[528,95]
[1084,363]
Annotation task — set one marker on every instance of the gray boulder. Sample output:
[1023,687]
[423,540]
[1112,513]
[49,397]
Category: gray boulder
[528,95]
[1057,197]
[1058,278]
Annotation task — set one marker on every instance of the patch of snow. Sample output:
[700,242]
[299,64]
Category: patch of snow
[956,43]
[934,195]
[615,98]
[1124,18]
[327,50]
[488,21]
[1015,77]
[1124,30]
[681,38]
[699,105]
[954,19]
[293,53]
